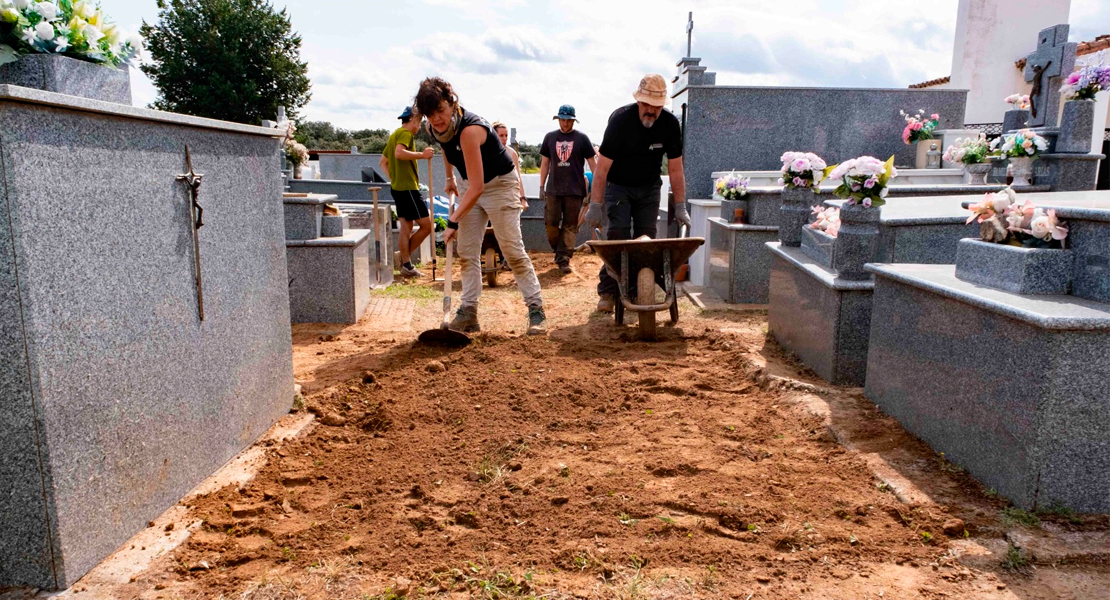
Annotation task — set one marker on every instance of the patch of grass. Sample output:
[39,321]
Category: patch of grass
[265,589]
[492,584]
[626,519]
[1012,515]
[407,292]
[493,465]
[1015,559]
[1056,509]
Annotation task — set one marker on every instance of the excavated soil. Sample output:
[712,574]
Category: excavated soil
[588,464]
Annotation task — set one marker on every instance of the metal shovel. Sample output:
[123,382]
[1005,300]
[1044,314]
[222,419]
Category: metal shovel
[442,336]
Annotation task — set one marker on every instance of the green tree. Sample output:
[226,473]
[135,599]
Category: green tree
[236,60]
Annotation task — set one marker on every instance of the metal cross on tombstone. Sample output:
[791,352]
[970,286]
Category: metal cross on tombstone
[196,214]
[690,34]
[1045,68]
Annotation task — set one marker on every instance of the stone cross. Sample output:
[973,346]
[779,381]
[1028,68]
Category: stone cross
[690,34]
[1046,67]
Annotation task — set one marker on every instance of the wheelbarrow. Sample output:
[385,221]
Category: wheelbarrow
[645,259]
[492,258]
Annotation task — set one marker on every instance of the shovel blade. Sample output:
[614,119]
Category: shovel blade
[444,337]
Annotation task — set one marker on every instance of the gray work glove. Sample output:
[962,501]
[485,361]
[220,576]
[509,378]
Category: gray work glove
[543,196]
[594,215]
[681,215]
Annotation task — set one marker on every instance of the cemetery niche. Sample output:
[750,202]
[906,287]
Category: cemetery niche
[992,360]
[145,343]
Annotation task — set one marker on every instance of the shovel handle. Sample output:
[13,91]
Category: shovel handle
[447,270]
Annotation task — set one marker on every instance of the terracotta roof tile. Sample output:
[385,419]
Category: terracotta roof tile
[1098,44]
[931,82]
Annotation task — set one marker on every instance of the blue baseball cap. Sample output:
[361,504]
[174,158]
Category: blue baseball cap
[566,111]
[406,113]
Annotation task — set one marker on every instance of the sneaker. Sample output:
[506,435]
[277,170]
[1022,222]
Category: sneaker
[466,320]
[536,319]
[605,304]
[410,272]
[564,268]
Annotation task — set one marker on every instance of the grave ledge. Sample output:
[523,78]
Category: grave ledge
[350,237]
[15,93]
[814,269]
[1047,312]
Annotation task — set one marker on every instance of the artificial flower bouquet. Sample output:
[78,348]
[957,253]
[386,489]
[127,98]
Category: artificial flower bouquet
[826,219]
[1023,144]
[863,180]
[1018,101]
[919,127]
[296,153]
[1086,82]
[1006,219]
[802,170]
[75,29]
[732,187]
[969,151]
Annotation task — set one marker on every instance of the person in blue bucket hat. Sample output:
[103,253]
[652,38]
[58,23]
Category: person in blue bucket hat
[564,153]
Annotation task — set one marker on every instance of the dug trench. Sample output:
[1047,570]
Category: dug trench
[587,464]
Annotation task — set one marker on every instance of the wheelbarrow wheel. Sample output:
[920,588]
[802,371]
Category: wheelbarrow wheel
[489,264]
[645,294]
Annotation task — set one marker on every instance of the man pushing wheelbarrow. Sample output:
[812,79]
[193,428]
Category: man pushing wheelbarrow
[627,181]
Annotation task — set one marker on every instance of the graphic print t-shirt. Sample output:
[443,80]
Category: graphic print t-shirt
[566,155]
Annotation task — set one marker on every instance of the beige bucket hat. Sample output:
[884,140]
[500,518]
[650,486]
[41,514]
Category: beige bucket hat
[653,90]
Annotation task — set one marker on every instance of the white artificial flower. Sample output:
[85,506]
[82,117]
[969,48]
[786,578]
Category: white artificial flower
[1000,202]
[93,34]
[136,42]
[47,10]
[45,31]
[61,44]
[84,9]
[29,36]
[1040,225]
[21,4]
[882,194]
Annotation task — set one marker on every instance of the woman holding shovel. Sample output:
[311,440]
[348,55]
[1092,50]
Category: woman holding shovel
[490,189]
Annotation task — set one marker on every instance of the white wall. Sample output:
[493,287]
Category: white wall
[990,36]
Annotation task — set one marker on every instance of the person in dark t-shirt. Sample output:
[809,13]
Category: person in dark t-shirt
[490,189]
[626,182]
[563,184]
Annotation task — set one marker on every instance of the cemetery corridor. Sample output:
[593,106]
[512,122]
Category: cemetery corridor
[587,464]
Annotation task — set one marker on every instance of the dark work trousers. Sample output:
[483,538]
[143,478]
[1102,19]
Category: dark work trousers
[632,212]
[560,215]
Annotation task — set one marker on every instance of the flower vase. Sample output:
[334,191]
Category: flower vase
[64,75]
[297,171]
[856,242]
[976,174]
[795,212]
[1021,168]
[922,159]
[1076,127]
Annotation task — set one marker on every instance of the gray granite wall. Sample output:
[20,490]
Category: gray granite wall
[750,127]
[136,400]
[348,167]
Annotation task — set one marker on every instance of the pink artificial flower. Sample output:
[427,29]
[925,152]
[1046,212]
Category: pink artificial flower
[833,228]
[982,210]
[817,210]
[1018,216]
[906,134]
[867,202]
[871,181]
[1073,78]
[1058,231]
[917,126]
[799,182]
[934,117]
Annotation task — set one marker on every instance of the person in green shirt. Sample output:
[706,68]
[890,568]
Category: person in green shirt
[399,160]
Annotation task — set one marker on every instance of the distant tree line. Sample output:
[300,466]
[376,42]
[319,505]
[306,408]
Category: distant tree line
[321,135]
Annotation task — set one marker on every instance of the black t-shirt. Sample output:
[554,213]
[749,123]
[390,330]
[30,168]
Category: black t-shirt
[495,158]
[637,151]
[566,154]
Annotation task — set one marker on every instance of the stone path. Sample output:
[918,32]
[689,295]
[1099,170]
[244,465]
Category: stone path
[388,314]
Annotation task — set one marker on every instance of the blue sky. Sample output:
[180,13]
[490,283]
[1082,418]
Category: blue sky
[518,60]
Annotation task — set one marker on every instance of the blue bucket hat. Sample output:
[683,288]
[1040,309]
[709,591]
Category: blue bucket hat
[406,113]
[566,111]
